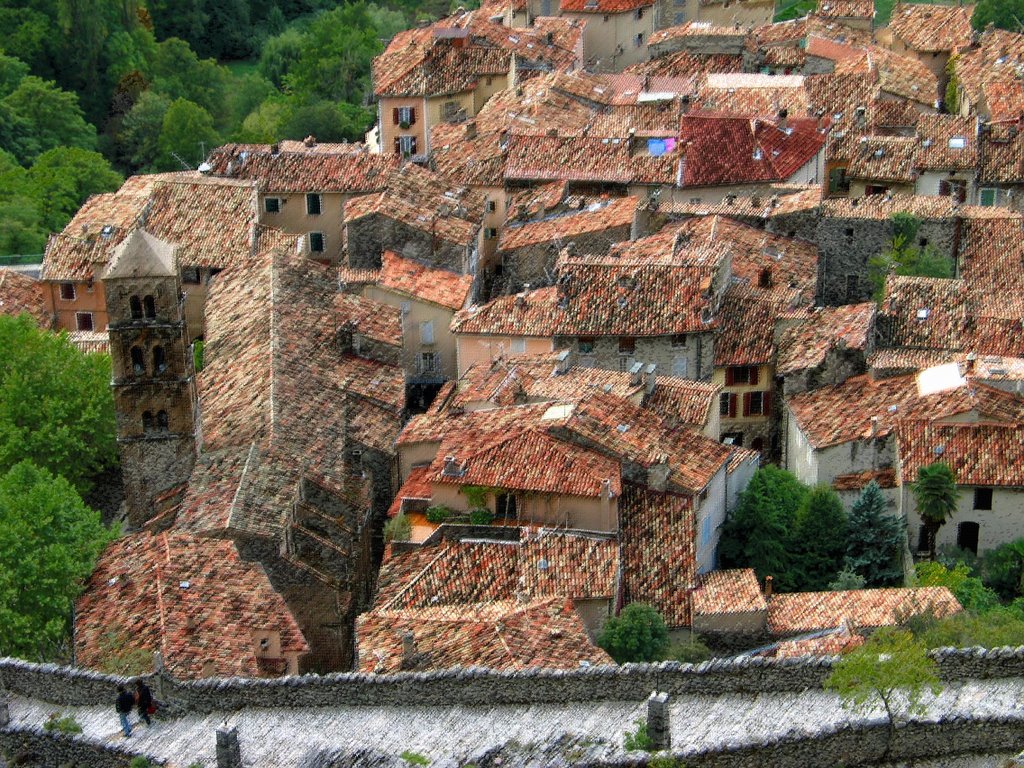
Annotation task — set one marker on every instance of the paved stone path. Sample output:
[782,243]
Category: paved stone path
[278,738]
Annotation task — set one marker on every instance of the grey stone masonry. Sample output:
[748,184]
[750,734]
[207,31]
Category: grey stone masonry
[229,754]
[658,727]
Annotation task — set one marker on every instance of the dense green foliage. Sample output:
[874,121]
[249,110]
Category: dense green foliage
[935,495]
[759,534]
[820,545]
[904,256]
[140,83]
[49,541]
[638,633]
[875,540]
[1002,569]
[969,590]
[1004,14]
[892,669]
[398,528]
[55,404]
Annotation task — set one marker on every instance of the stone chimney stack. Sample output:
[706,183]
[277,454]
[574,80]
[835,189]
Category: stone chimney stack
[451,469]
[408,650]
[768,586]
[650,380]
[635,376]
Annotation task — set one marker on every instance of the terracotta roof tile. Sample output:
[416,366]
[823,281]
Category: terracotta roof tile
[756,95]
[437,286]
[746,328]
[946,142]
[194,600]
[599,216]
[503,635]
[468,158]
[687,64]
[730,591]
[1001,154]
[846,9]
[809,611]
[20,293]
[898,75]
[416,486]
[979,454]
[905,359]
[296,168]
[582,158]
[807,344]
[658,560]
[832,644]
[732,150]
[377,321]
[90,341]
[929,27]
[603,6]
[681,401]
[855,481]
[883,158]
[995,59]
[1005,100]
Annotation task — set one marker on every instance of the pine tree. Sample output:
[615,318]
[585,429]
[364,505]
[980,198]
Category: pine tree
[875,540]
[821,538]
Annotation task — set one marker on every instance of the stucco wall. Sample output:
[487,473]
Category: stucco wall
[420,312]
[692,360]
[1001,524]
[605,33]
[389,131]
[293,218]
[478,348]
[710,517]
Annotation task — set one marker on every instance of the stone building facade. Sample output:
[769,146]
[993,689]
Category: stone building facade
[153,380]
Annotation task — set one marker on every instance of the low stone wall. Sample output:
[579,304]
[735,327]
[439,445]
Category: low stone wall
[630,682]
[48,749]
[862,745]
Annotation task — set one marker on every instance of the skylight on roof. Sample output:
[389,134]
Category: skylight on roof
[957,142]
[923,313]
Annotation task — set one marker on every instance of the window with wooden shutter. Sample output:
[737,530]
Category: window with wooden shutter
[398,146]
[753,375]
[395,118]
[730,376]
[412,115]
[732,406]
[746,403]
[766,403]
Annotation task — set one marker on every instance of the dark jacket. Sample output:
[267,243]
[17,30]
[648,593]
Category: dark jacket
[125,702]
[145,697]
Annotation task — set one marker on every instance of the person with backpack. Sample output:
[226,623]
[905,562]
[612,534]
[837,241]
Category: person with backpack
[144,700]
[124,705]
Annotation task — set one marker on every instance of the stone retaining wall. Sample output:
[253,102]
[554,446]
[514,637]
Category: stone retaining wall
[47,749]
[631,682]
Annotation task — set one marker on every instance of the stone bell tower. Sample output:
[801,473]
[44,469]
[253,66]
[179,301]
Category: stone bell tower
[153,378]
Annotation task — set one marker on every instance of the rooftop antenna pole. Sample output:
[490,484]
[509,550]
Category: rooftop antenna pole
[184,165]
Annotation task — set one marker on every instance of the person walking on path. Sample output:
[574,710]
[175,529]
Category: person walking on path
[124,706]
[144,701]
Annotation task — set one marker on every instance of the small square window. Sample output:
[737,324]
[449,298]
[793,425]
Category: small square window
[983,498]
[427,332]
[585,345]
[316,242]
[190,275]
[679,340]
[987,197]
[741,374]
[67,291]
[492,206]
[83,321]
[272,204]
[627,345]
[724,404]
[639,40]
[490,233]
[849,231]
[518,346]
[756,403]
[314,204]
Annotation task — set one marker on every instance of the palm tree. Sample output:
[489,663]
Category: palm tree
[936,496]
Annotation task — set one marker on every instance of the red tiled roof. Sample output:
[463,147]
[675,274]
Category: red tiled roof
[20,293]
[807,344]
[603,6]
[810,611]
[855,481]
[416,486]
[369,318]
[438,286]
[735,150]
[292,167]
[846,9]
[503,635]
[658,560]
[585,158]
[929,27]
[681,401]
[730,591]
[599,216]
[746,328]
[452,573]
[978,454]
[946,142]
[832,644]
[192,599]
[883,158]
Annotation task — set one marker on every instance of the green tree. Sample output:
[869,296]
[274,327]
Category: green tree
[820,538]
[187,133]
[1003,569]
[759,533]
[279,54]
[21,230]
[55,404]
[179,74]
[52,117]
[138,139]
[935,495]
[337,51]
[12,72]
[875,540]
[969,590]
[846,580]
[49,541]
[1004,14]
[62,179]
[892,669]
[951,102]
[904,257]
[638,633]
[327,121]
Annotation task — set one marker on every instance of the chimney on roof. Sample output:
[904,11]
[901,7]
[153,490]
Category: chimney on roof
[606,501]
[768,586]
[471,129]
[451,469]
[310,141]
[408,650]
[650,380]
[874,427]
[635,375]
[969,362]
[783,119]
[684,105]
[563,362]
[275,149]
[550,37]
